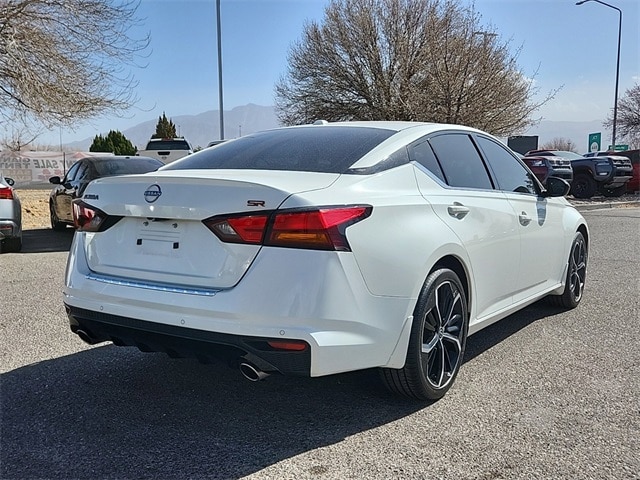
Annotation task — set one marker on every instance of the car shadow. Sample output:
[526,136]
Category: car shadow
[494,334]
[46,240]
[113,412]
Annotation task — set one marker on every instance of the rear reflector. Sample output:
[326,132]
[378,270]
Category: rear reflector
[291,345]
[318,228]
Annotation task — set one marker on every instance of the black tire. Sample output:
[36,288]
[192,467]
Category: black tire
[583,186]
[12,244]
[576,275]
[56,224]
[437,342]
[614,192]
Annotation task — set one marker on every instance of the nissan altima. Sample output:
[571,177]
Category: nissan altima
[325,248]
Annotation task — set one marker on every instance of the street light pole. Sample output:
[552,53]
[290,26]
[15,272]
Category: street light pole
[615,104]
[220,73]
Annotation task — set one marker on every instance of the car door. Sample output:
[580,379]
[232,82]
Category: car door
[62,194]
[480,216]
[539,220]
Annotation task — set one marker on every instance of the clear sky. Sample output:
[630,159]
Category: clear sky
[573,47]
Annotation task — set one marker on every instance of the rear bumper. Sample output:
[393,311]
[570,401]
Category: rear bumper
[179,342]
[316,297]
[9,229]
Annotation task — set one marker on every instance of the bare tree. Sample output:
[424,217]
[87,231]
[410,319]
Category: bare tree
[62,61]
[19,137]
[628,118]
[560,143]
[423,60]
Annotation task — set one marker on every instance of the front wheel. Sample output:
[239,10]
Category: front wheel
[56,224]
[437,341]
[583,186]
[576,275]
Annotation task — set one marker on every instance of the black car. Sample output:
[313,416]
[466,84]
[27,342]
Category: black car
[84,171]
[607,175]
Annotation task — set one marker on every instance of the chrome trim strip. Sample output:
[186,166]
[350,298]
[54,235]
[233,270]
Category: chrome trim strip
[206,292]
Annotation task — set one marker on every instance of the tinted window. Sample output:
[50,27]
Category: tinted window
[510,174]
[168,145]
[306,149]
[106,167]
[460,161]
[73,171]
[421,152]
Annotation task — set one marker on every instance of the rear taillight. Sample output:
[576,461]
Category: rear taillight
[87,218]
[318,229]
[6,193]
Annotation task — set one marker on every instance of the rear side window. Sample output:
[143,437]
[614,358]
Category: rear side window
[324,149]
[421,152]
[460,161]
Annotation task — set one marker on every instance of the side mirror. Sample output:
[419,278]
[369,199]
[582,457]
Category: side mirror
[10,181]
[55,180]
[556,187]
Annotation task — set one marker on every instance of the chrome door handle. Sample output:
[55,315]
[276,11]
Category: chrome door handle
[524,219]
[457,210]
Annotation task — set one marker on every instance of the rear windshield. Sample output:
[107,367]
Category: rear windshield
[324,149]
[168,145]
[109,167]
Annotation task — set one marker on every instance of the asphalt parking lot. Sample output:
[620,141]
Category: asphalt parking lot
[542,394]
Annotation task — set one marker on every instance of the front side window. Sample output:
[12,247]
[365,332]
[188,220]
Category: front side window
[511,176]
[460,161]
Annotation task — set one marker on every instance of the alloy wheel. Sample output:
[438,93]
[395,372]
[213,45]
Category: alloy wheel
[443,335]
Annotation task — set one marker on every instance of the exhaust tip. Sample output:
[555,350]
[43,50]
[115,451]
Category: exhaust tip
[252,373]
[85,337]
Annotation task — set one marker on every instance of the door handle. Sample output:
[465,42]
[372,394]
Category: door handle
[457,210]
[524,219]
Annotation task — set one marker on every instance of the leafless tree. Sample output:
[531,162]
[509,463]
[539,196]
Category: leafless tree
[560,143]
[422,60]
[62,61]
[19,137]
[628,118]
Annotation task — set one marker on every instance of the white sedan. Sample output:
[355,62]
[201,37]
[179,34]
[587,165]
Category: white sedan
[325,248]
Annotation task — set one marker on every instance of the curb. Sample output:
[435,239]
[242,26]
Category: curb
[603,206]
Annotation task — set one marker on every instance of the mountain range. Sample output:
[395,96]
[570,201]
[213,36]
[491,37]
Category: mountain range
[203,128]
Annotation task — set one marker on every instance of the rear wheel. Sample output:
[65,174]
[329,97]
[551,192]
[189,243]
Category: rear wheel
[437,342]
[576,275]
[583,186]
[56,224]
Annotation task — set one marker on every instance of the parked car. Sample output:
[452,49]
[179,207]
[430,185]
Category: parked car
[10,217]
[606,175]
[167,149]
[545,167]
[633,185]
[320,249]
[82,172]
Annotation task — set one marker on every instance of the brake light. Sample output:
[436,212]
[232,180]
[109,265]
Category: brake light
[87,218]
[6,193]
[319,228]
